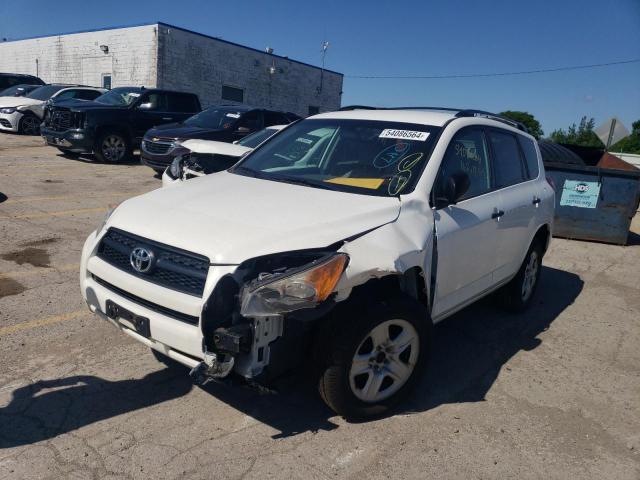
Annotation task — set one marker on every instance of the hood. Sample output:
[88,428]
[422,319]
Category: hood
[231,218]
[213,147]
[81,105]
[18,101]
[178,131]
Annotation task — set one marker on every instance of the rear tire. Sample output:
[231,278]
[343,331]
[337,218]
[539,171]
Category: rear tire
[517,295]
[29,124]
[374,357]
[112,147]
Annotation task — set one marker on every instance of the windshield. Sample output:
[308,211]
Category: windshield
[122,96]
[369,157]
[215,117]
[45,92]
[255,139]
[17,90]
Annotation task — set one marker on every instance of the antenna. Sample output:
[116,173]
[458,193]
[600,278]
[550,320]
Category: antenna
[325,47]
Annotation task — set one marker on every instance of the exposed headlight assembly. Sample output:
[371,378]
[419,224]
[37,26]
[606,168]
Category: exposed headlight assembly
[304,287]
[8,110]
[175,169]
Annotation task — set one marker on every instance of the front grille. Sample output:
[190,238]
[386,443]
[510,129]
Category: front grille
[183,317]
[174,268]
[157,148]
[5,123]
[62,120]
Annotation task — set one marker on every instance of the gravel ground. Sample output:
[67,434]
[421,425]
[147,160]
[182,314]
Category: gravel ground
[553,393]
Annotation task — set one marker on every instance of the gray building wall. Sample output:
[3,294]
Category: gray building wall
[77,58]
[170,57]
[206,64]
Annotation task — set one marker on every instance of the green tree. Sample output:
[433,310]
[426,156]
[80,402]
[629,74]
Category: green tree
[630,144]
[526,119]
[581,134]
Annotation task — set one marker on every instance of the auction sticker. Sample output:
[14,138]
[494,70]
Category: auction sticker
[580,194]
[404,134]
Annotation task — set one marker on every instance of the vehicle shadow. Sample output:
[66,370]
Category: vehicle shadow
[90,158]
[470,349]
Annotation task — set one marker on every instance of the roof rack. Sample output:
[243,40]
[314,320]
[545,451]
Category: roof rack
[460,113]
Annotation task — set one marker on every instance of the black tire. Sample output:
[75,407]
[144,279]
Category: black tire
[68,153]
[512,296]
[167,361]
[351,335]
[112,147]
[29,124]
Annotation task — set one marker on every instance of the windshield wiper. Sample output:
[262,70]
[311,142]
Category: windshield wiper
[301,181]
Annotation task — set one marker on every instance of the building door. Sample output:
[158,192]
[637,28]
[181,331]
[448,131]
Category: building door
[96,69]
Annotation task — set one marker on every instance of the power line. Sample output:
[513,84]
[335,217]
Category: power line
[497,74]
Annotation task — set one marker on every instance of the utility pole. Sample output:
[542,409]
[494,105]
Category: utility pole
[325,47]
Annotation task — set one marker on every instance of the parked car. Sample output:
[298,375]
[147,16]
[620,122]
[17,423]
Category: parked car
[10,79]
[341,256]
[223,123]
[25,114]
[18,90]
[112,126]
[203,157]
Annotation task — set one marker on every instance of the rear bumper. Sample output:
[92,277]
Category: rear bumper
[75,140]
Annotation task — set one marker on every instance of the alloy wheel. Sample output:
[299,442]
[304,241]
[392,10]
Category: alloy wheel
[113,148]
[30,125]
[384,360]
[530,276]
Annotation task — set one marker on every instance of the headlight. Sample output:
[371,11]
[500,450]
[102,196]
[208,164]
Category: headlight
[8,110]
[305,287]
[111,209]
[175,169]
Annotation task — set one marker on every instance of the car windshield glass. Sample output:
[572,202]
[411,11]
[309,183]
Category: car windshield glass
[45,92]
[122,96]
[215,117]
[368,157]
[17,90]
[255,139]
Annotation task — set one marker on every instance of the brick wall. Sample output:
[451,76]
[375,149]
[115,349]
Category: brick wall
[77,58]
[205,64]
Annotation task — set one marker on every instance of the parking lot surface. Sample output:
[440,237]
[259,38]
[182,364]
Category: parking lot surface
[552,393]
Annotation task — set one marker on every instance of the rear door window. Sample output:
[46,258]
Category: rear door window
[183,103]
[507,162]
[274,118]
[159,102]
[467,153]
[530,156]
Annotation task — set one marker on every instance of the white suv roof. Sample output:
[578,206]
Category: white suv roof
[418,115]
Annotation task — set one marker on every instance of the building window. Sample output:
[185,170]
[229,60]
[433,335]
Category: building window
[106,80]
[232,93]
[313,110]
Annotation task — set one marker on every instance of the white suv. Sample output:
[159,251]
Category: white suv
[341,240]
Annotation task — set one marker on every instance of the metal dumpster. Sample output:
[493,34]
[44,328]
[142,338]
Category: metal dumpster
[594,203]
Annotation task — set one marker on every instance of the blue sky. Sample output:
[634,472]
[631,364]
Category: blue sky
[410,38]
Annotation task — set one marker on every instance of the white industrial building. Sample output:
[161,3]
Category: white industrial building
[165,56]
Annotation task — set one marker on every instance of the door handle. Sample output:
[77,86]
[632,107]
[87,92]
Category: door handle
[536,200]
[497,214]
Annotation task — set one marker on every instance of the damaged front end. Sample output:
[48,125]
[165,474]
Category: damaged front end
[246,312]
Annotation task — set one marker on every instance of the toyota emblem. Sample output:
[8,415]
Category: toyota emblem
[141,259]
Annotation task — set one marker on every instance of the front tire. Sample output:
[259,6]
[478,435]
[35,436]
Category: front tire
[375,357]
[112,147]
[517,295]
[29,124]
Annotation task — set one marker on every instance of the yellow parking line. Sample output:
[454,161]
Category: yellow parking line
[41,322]
[61,213]
[41,271]
[65,197]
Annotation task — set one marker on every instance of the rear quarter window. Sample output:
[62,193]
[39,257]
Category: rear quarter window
[530,156]
[179,102]
[507,163]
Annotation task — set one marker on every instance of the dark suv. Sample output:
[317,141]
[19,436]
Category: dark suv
[113,124]
[224,123]
[10,79]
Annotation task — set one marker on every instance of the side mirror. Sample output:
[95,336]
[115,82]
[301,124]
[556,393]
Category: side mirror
[145,106]
[454,187]
[242,130]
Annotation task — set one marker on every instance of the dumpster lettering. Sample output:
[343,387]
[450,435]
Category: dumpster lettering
[580,194]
